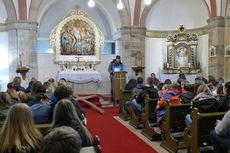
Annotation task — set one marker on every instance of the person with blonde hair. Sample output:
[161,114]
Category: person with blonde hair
[5,101]
[18,133]
[65,115]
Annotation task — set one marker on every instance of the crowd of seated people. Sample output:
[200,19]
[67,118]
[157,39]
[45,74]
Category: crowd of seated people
[21,109]
[208,95]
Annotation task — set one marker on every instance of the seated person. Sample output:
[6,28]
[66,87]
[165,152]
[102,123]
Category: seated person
[204,101]
[62,81]
[131,84]
[65,115]
[5,103]
[188,94]
[18,134]
[137,90]
[139,102]
[60,140]
[225,100]
[220,137]
[41,109]
[37,88]
[65,92]
[168,94]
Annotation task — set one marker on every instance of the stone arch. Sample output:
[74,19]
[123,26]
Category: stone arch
[33,14]
[124,13]
[10,9]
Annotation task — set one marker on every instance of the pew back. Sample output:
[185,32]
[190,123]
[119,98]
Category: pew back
[125,96]
[198,134]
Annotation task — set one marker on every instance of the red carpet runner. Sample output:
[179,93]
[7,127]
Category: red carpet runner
[115,138]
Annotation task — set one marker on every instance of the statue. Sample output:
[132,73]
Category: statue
[138,59]
[23,59]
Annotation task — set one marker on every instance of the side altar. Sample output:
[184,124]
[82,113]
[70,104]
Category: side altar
[182,53]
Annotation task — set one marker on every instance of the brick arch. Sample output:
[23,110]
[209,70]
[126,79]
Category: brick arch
[10,9]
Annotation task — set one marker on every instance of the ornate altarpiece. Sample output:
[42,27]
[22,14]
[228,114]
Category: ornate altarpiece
[77,42]
[182,53]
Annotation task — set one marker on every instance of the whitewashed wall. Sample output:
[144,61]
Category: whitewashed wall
[47,69]
[169,14]
[156,55]
[3,13]
[4,66]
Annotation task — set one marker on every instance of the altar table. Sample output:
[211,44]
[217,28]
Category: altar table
[80,76]
[174,77]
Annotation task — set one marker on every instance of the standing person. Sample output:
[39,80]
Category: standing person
[114,66]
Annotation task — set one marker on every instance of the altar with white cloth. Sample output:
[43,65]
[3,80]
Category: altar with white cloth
[174,77]
[80,76]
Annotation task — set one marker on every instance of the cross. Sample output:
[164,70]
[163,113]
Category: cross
[78,59]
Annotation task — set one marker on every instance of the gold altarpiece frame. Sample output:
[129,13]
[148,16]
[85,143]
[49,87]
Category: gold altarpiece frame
[77,42]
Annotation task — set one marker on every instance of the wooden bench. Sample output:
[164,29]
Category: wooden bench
[173,125]
[134,121]
[123,112]
[197,136]
[43,128]
[148,116]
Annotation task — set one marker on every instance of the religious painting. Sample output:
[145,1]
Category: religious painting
[227,51]
[181,55]
[212,51]
[77,40]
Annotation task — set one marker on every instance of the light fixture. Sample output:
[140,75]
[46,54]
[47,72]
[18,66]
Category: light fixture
[148,2]
[91,3]
[120,5]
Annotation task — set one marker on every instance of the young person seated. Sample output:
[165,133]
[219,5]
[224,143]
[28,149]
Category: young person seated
[220,137]
[137,90]
[60,140]
[65,115]
[37,88]
[65,92]
[40,110]
[5,103]
[204,101]
[224,101]
[18,134]
[139,102]
[168,94]
[188,94]
[131,83]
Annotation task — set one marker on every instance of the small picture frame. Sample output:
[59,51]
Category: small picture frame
[212,51]
[227,51]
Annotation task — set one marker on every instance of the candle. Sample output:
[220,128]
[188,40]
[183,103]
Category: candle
[189,65]
[167,65]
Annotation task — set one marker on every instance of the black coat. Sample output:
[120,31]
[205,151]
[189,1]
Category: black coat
[224,103]
[151,91]
[187,97]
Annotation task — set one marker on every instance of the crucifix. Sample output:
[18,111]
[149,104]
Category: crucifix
[78,59]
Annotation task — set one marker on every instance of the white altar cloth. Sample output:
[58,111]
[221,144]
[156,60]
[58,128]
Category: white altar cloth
[80,76]
[174,77]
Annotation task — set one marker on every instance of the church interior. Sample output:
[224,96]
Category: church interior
[90,51]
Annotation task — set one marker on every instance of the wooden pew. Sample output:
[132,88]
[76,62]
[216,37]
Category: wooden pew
[173,125]
[123,112]
[43,128]
[148,115]
[197,136]
[134,121]
[96,148]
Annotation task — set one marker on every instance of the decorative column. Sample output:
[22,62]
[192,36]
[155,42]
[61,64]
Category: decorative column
[227,43]
[216,32]
[130,40]
[22,38]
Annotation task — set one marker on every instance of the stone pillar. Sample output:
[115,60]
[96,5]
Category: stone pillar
[227,42]
[130,41]
[22,36]
[216,34]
